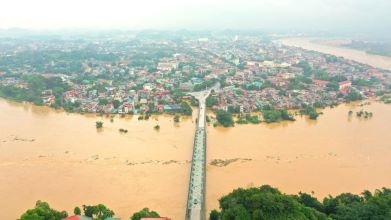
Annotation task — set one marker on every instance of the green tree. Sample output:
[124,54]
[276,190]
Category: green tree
[310,111]
[224,118]
[310,201]
[265,202]
[116,103]
[354,96]
[36,83]
[306,67]
[214,215]
[322,75]
[333,86]
[77,211]
[42,211]
[186,109]
[99,212]
[275,115]
[211,101]
[99,124]
[103,102]
[176,118]
[144,213]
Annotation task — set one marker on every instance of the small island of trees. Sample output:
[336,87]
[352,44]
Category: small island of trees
[176,118]
[121,130]
[99,124]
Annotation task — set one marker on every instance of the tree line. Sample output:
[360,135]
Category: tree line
[267,202]
[43,211]
[257,203]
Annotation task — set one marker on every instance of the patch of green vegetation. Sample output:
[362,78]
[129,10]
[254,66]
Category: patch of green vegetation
[97,212]
[186,109]
[248,118]
[42,210]
[144,213]
[224,118]
[99,124]
[276,115]
[176,118]
[20,95]
[211,101]
[121,130]
[310,111]
[354,96]
[364,114]
[194,102]
[386,99]
[267,202]
[207,119]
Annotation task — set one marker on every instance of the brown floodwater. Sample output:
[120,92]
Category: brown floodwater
[334,154]
[352,54]
[63,159]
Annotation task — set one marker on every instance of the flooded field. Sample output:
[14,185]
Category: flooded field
[329,48]
[63,159]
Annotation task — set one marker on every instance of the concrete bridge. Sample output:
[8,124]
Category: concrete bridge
[196,195]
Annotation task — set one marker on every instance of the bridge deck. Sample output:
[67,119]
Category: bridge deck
[196,195]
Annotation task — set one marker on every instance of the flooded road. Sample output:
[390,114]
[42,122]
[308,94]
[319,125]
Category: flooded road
[63,159]
[356,55]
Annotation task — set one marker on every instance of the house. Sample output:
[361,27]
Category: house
[49,99]
[77,217]
[127,107]
[166,66]
[160,108]
[344,84]
[286,75]
[321,83]
[174,107]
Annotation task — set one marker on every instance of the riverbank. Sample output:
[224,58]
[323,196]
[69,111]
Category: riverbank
[352,54]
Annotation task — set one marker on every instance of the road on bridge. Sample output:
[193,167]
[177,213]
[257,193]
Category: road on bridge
[196,194]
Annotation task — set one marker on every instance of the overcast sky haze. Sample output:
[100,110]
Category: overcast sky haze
[365,15]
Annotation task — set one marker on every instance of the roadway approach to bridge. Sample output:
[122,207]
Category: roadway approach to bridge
[195,209]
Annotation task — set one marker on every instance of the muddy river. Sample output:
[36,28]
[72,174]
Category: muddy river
[326,46]
[63,159]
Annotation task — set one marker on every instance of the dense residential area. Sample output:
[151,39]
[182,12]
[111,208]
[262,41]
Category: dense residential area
[146,73]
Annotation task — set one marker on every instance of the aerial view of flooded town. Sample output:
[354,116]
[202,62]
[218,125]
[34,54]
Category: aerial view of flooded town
[218,124]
